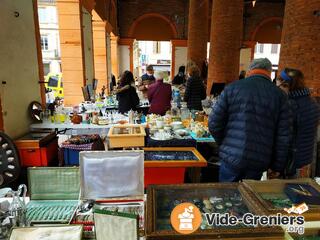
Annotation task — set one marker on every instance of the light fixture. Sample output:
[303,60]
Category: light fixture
[254,3]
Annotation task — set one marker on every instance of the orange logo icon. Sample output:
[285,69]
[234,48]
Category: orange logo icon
[186,218]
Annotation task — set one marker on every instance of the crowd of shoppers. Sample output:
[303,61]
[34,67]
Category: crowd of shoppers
[259,126]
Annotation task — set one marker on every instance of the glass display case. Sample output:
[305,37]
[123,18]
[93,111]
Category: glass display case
[208,198]
[271,197]
[173,157]
[122,136]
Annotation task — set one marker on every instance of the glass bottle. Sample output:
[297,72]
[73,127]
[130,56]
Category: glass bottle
[17,208]
[175,112]
[185,115]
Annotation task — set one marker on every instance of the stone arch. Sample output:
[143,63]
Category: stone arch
[153,27]
[268,31]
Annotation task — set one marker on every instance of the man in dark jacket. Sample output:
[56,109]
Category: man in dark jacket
[146,80]
[250,123]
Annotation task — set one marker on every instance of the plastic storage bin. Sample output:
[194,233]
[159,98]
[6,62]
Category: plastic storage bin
[71,151]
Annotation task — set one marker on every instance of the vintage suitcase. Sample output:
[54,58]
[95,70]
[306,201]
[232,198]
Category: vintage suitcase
[54,194]
[115,180]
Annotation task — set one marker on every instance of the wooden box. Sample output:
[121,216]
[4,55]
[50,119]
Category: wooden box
[161,199]
[54,194]
[124,136]
[38,149]
[267,197]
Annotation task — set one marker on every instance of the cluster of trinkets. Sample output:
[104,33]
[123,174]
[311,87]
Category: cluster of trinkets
[50,211]
[277,201]
[169,156]
[228,202]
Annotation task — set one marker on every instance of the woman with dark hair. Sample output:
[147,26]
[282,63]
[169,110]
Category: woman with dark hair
[180,77]
[195,90]
[126,93]
[303,121]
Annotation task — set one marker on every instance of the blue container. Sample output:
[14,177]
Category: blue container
[71,156]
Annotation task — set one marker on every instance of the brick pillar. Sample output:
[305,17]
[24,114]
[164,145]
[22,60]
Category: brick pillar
[72,52]
[300,42]
[114,55]
[226,36]
[198,31]
[100,50]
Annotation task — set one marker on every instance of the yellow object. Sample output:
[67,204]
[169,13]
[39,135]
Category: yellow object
[54,82]
[123,136]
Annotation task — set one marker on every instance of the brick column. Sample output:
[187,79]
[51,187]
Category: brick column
[100,50]
[198,31]
[72,52]
[114,55]
[226,36]
[300,42]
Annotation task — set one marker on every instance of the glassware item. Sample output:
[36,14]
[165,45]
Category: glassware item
[175,111]
[17,208]
[185,113]
[186,122]
[46,116]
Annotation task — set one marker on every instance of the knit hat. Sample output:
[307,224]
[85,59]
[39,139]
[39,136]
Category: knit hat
[261,63]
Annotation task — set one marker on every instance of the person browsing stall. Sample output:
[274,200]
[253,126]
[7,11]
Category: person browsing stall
[304,120]
[195,90]
[159,95]
[146,80]
[250,123]
[126,93]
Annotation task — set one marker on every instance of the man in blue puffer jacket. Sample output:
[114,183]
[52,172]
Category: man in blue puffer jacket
[250,123]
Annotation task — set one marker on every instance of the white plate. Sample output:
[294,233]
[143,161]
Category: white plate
[168,138]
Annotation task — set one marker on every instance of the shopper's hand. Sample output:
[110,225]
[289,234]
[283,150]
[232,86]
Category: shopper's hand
[272,174]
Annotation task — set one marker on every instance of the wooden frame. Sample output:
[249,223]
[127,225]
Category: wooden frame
[201,162]
[250,190]
[216,233]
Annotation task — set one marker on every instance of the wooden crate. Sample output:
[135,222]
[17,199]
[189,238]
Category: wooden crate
[196,191]
[124,136]
[253,191]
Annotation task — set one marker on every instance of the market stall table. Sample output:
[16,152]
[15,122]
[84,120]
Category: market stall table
[168,165]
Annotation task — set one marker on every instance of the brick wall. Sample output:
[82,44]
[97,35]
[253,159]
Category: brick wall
[253,16]
[301,40]
[177,11]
